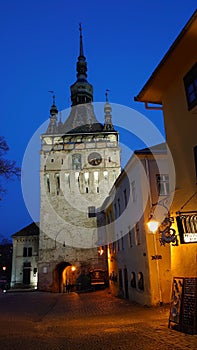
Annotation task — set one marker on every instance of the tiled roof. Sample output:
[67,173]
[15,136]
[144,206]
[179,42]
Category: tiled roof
[30,230]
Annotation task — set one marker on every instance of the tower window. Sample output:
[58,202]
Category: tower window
[67,179]
[105,174]
[47,182]
[96,176]
[52,160]
[57,176]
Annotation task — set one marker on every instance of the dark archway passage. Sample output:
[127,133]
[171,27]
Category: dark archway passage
[58,283]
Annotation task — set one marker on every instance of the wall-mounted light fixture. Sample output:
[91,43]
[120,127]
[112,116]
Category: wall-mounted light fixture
[168,234]
[100,251]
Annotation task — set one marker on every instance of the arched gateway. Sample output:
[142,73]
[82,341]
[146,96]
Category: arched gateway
[63,275]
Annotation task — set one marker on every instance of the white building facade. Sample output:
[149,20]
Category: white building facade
[139,261]
[25,257]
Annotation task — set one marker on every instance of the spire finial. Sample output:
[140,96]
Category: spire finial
[106,95]
[80,28]
[81,53]
[53,96]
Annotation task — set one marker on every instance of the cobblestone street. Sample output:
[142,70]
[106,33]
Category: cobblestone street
[46,321]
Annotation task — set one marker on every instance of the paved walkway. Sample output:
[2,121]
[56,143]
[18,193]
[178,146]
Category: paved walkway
[89,321]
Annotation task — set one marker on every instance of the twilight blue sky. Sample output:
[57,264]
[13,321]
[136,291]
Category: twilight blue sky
[123,42]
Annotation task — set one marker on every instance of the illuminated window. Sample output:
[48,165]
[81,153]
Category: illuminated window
[96,176]
[67,179]
[86,177]
[105,174]
[190,82]
[163,184]
[77,176]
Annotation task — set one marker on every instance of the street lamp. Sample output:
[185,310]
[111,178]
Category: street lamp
[168,234]
[153,225]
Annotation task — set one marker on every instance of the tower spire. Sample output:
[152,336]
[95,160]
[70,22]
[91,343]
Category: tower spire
[81,90]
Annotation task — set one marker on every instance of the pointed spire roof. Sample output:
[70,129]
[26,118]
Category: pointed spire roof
[81,90]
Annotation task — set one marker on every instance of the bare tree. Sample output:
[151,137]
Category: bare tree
[8,168]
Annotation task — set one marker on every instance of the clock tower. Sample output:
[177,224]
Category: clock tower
[79,162]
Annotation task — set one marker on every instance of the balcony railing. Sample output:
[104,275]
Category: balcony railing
[187,226]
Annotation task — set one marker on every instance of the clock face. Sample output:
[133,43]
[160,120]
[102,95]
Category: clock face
[94,158]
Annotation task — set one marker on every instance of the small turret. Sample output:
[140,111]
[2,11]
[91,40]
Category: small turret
[108,126]
[52,128]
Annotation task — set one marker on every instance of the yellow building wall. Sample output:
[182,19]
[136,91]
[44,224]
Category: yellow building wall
[181,134]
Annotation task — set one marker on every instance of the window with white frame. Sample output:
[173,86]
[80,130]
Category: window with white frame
[163,184]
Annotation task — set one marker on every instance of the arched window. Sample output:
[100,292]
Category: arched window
[140,281]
